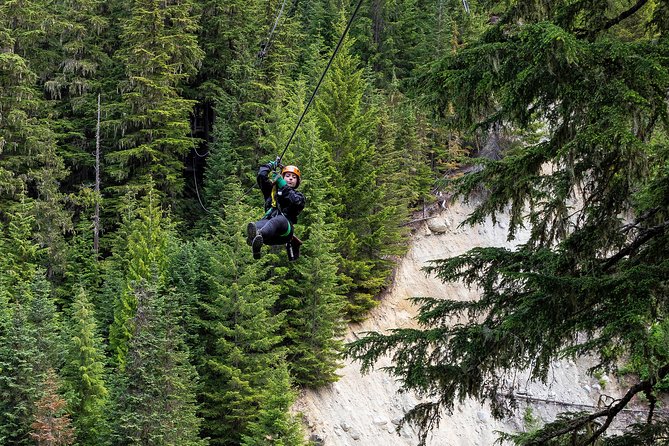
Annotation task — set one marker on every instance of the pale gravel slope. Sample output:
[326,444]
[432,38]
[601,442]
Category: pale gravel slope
[361,410]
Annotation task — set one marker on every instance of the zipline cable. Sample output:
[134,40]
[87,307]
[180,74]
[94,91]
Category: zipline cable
[334,53]
[197,190]
[268,41]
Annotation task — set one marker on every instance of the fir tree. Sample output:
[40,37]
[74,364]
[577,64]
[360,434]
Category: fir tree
[159,53]
[140,254]
[52,425]
[241,361]
[83,71]
[346,126]
[591,278]
[85,374]
[30,166]
[29,347]
[29,343]
[274,424]
[155,392]
[313,298]
[18,382]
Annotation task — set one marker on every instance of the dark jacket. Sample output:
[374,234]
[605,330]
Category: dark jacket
[290,202]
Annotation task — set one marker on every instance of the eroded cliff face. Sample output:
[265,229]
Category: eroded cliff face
[363,410]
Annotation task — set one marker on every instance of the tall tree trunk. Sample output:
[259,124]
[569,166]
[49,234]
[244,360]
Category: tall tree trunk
[96,217]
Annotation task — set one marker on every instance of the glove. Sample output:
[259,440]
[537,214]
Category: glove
[278,179]
[271,165]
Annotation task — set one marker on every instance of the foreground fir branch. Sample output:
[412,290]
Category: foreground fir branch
[594,193]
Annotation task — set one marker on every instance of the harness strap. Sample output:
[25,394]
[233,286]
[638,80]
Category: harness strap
[288,231]
[274,202]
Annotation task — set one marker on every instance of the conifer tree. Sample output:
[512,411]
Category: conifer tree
[244,355]
[29,343]
[52,425]
[29,346]
[399,37]
[591,278]
[312,293]
[85,374]
[18,356]
[346,122]
[274,424]
[140,254]
[31,25]
[83,71]
[83,268]
[154,394]
[159,52]
[242,360]
[30,166]
[402,154]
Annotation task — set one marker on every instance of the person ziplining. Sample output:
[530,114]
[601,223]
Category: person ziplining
[283,203]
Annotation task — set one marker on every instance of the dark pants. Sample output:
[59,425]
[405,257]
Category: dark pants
[276,230]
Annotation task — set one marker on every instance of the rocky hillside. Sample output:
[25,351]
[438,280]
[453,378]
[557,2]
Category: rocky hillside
[365,410]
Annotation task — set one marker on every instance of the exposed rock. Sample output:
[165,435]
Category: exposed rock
[437,225]
[356,402]
[380,421]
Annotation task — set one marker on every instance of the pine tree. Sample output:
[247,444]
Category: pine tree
[313,298]
[159,53]
[52,425]
[85,374]
[346,126]
[154,394]
[591,278]
[140,254]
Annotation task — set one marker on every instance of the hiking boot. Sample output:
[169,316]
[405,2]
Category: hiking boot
[256,245]
[251,232]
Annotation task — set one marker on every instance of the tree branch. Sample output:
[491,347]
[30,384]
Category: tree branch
[614,21]
[610,412]
[624,15]
[632,247]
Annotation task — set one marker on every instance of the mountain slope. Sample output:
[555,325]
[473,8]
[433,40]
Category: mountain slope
[363,410]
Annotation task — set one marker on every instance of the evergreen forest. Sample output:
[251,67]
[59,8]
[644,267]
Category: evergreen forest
[132,311]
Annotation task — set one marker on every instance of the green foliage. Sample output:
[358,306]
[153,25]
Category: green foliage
[590,280]
[30,165]
[159,53]
[29,346]
[172,76]
[274,423]
[154,393]
[84,372]
[346,125]
[312,295]
[241,358]
[18,356]
[140,255]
